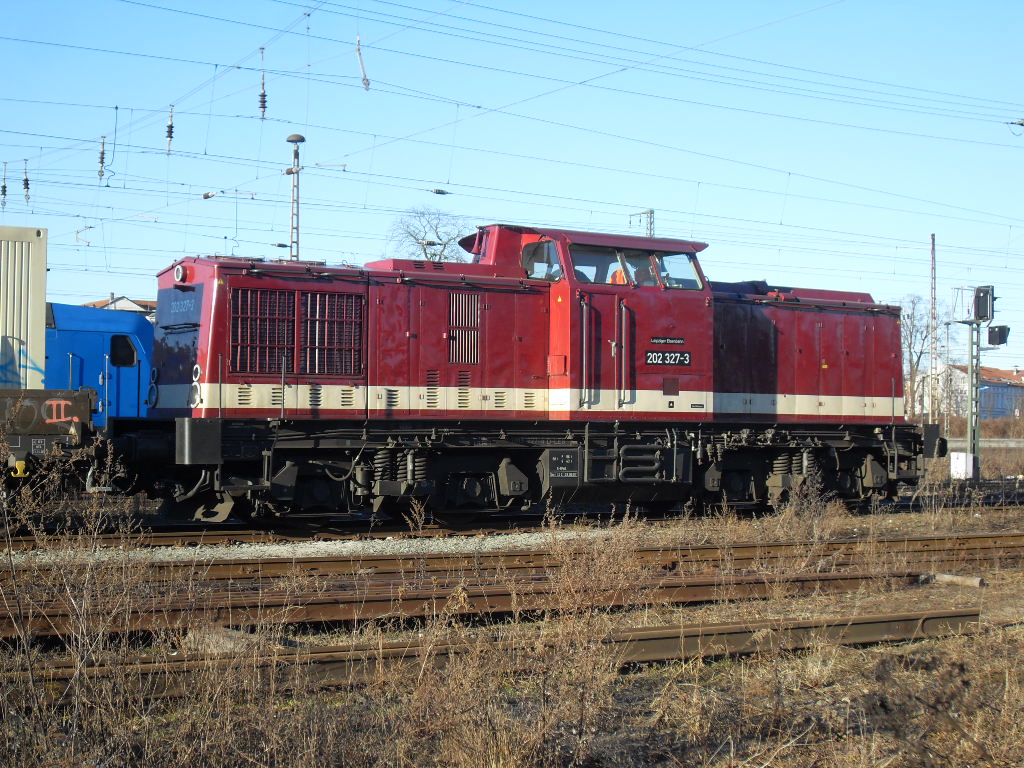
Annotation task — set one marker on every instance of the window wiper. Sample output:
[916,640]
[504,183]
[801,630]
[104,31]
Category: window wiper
[179,326]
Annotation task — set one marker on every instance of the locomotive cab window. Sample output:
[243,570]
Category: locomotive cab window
[122,352]
[594,264]
[640,268]
[540,260]
[611,266]
[677,270]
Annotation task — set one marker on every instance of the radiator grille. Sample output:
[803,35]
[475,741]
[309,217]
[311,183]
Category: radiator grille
[275,331]
[262,330]
[464,328]
[332,334]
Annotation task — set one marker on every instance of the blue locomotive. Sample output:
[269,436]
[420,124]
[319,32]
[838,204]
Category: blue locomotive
[106,350]
[96,368]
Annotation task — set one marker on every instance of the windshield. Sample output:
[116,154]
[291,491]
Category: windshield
[631,266]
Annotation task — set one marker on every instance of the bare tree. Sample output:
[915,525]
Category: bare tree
[431,234]
[915,338]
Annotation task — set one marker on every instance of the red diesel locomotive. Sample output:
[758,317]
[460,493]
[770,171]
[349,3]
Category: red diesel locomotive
[556,367]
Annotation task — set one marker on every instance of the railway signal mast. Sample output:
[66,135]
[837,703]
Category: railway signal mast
[983,311]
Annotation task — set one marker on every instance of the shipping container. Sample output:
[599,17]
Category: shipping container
[22,307]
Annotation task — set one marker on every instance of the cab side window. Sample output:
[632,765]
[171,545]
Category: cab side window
[122,352]
[540,260]
[596,264]
[678,271]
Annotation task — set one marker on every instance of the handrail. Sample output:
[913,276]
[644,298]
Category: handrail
[106,384]
[220,384]
[584,334]
[624,356]
[616,344]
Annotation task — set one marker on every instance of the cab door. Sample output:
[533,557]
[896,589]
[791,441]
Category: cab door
[599,290]
[602,386]
[645,328]
[673,354]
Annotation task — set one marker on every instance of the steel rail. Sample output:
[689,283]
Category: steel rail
[177,536]
[904,551]
[339,665]
[62,616]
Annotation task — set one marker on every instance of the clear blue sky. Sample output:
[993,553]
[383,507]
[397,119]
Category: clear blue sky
[810,143]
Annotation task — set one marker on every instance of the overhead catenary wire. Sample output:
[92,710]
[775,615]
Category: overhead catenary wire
[228,68]
[778,170]
[150,4]
[559,48]
[764,238]
[788,174]
[425,182]
[620,35]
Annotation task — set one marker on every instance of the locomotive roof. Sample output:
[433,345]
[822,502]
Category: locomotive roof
[74,316]
[595,238]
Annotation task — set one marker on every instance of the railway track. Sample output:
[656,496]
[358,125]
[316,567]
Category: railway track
[179,536]
[63,617]
[250,592]
[1005,492]
[911,552]
[170,675]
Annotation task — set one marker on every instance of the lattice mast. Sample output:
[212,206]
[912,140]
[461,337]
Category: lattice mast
[933,344]
[295,139]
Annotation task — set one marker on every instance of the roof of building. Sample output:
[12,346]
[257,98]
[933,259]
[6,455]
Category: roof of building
[1014,377]
[123,302]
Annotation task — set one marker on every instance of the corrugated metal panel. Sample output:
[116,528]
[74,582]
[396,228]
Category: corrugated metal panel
[22,307]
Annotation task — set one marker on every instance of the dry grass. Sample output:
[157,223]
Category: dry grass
[950,703]
[559,701]
[1008,427]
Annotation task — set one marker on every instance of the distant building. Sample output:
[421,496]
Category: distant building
[1002,392]
[142,306]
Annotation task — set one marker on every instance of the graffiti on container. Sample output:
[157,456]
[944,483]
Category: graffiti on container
[14,364]
[58,411]
[25,412]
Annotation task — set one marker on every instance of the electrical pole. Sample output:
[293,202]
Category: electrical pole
[295,139]
[933,349]
[648,216]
